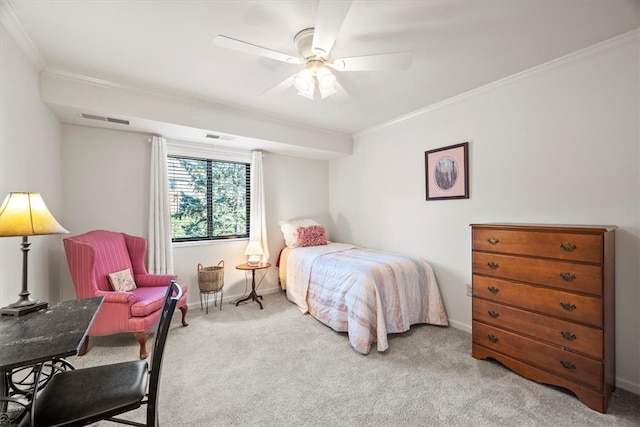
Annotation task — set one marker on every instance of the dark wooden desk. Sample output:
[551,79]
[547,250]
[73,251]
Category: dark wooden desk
[253,295]
[47,335]
[54,332]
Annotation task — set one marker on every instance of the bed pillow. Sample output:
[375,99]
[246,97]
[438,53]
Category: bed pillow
[314,235]
[122,281]
[289,230]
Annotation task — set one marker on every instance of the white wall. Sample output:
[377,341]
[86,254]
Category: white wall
[105,186]
[558,144]
[29,161]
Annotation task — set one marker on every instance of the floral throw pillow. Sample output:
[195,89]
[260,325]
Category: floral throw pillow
[122,281]
[313,235]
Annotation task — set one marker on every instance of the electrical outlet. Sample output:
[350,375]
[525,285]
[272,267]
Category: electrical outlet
[469,290]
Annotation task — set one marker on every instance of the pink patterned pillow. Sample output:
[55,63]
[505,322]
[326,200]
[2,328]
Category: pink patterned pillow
[313,235]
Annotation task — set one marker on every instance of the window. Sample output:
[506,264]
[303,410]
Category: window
[209,199]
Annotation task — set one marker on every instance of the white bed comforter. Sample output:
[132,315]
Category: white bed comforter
[363,292]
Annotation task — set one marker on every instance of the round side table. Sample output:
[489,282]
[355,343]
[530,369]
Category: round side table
[253,295]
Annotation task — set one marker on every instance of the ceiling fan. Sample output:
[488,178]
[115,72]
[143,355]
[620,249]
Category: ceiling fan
[314,52]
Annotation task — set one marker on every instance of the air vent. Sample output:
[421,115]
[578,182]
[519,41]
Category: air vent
[104,119]
[119,121]
[219,137]
[93,117]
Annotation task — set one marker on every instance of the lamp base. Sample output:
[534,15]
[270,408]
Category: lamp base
[23,309]
[253,260]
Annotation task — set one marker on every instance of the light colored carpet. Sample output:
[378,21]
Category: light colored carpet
[243,366]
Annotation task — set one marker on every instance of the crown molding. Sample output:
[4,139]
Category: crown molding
[13,25]
[616,43]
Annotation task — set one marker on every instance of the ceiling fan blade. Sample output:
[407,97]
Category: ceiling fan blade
[341,95]
[280,87]
[329,19]
[383,61]
[240,46]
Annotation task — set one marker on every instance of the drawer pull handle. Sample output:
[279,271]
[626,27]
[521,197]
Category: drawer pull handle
[494,314]
[492,265]
[568,335]
[568,277]
[493,241]
[493,289]
[494,339]
[568,306]
[568,247]
[568,365]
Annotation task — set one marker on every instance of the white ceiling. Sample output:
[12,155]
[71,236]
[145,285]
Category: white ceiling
[458,45]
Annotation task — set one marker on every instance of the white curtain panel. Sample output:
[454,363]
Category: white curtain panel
[258,224]
[159,248]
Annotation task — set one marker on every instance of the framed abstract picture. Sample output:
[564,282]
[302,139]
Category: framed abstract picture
[447,172]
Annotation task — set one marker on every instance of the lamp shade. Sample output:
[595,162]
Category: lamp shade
[254,248]
[303,81]
[326,79]
[315,73]
[25,214]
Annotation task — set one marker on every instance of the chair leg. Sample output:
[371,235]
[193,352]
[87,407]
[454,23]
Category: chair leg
[184,310]
[84,347]
[142,340]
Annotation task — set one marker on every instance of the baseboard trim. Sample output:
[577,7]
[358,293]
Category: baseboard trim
[459,325]
[629,386]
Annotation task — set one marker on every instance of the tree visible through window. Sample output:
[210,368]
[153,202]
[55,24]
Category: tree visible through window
[209,199]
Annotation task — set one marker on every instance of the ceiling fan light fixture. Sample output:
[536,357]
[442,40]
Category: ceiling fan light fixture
[303,81]
[314,46]
[327,92]
[326,79]
[307,94]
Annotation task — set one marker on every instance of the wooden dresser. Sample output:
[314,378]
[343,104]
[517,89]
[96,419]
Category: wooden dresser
[543,304]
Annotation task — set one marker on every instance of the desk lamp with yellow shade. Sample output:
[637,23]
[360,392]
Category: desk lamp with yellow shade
[24,215]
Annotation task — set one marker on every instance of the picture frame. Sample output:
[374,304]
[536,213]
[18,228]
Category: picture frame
[447,172]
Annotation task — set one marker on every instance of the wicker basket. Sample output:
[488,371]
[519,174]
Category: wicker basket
[211,279]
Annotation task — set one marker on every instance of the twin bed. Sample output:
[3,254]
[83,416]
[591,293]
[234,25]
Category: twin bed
[363,292]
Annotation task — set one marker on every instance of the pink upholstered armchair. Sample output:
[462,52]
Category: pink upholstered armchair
[92,257]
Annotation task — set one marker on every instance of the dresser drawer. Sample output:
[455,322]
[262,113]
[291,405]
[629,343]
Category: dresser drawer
[560,274]
[573,307]
[580,338]
[552,359]
[567,246]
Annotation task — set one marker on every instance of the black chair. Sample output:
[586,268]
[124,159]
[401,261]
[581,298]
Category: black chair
[85,396]
[19,386]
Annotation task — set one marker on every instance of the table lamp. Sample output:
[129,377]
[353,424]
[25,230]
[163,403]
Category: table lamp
[25,214]
[255,252]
